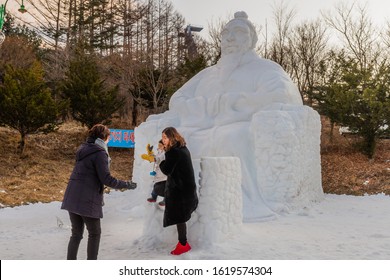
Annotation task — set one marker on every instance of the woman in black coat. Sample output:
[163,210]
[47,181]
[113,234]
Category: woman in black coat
[181,198]
[83,197]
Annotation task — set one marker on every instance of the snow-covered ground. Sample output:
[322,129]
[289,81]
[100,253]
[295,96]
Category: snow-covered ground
[308,244]
[338,228]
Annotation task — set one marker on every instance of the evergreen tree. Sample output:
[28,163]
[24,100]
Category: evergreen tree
[26,103]
[191,67]
[357,98]
[90,101]
[186,70]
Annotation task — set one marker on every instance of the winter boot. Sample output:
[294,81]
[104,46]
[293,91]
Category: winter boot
[180,249]
[151,199]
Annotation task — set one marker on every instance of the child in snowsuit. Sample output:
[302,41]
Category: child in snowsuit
[159,177]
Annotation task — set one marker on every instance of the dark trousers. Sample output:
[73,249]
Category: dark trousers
[158,189]
[182,233]
[94,233]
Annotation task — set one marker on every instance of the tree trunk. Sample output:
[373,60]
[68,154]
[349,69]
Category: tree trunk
[22,143]
[331,132]
[134,113]
[370,145]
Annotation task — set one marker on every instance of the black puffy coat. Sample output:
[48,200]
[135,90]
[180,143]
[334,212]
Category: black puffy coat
[181,198]
[84,193]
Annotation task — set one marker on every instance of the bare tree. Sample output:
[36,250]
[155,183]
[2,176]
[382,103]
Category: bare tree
[307,50]
[357,32]
[386,39]
[51,19]
[283,17]
[215,29]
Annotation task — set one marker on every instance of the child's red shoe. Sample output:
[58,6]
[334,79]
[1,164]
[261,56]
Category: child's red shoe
[180,249]
[151,199]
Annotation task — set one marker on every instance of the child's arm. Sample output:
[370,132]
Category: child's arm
[159,157]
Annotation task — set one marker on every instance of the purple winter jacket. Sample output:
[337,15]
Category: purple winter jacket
[84,193]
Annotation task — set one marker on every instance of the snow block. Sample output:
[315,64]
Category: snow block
[287,149]
[219,212]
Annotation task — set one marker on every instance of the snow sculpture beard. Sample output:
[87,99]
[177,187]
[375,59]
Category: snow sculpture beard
[228,63]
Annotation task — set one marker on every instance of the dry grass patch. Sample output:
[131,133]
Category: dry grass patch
[345,170]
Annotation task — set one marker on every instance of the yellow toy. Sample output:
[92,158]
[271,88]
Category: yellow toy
[150,155]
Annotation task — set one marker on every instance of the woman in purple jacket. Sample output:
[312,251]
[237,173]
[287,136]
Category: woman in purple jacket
[84,194]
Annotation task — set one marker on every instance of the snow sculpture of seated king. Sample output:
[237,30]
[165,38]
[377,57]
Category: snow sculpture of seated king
[247,107]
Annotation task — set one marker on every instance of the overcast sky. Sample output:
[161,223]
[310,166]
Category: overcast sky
[202,12]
